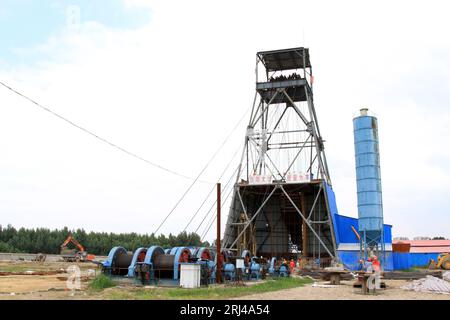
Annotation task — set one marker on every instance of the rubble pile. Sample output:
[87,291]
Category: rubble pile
[429,284]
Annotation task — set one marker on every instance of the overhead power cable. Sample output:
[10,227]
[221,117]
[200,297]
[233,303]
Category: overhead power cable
[132,153]
[215,201]
[99,137]
[215,216]
[212,189]
[203,170]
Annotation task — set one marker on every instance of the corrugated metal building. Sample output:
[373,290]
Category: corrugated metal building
[417,253]
[347,243]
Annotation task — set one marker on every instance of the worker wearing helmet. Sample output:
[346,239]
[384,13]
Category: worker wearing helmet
[376,264]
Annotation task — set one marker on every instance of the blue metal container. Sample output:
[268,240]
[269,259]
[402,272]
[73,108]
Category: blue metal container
[255,271]
[368,177]
[229,271]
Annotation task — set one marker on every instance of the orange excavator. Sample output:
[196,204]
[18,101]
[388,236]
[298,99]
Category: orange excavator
[73,255]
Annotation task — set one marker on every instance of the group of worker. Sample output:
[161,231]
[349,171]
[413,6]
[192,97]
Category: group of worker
[293,76]
[292,263]
[371,265]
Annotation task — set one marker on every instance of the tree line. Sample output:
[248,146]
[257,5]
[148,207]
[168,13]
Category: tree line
[43,240]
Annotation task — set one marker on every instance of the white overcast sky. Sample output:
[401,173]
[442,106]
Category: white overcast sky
[169,80]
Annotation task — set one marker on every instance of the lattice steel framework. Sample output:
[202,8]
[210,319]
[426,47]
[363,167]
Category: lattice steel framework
[279,200]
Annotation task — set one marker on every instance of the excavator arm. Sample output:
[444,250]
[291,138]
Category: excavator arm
[66,242]
[79,246]
[81,255]
[75,242]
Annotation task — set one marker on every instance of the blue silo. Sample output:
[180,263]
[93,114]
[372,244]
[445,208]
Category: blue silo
[368,180]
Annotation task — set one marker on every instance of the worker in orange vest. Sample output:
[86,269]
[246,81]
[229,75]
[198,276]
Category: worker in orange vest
[376,264]
[292,264]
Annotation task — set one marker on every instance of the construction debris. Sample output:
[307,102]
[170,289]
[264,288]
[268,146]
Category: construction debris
[446,276]
[40,257]
[400,275]
[322,275]
[429,284]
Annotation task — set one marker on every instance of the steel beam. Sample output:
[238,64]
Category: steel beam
[254,216]
[307,222]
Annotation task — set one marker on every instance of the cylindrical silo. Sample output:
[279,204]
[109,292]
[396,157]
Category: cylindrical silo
[368,178]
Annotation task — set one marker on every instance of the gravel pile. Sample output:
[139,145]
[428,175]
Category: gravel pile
[446,275]
[429,284]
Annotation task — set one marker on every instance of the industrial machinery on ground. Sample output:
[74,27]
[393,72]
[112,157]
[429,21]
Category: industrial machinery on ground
[258,268]
[246,255]
[157,265]
[284,270]
[74,255]
[205,258]
[443,262]
[253,266]
[228,260]
[273,268]
[118,261]
[278,269]
[138,257]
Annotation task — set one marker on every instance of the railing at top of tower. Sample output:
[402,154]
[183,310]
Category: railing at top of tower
[280,67]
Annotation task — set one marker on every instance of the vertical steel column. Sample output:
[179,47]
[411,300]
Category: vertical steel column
[304,226]
[219,262]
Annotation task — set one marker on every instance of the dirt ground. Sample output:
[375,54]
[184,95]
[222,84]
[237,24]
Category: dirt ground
[31,286]
[345,291]
[50,287]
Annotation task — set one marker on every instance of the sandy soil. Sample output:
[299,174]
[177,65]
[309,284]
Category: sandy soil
[39,286]
[25,284]
[345,291]
[42,266]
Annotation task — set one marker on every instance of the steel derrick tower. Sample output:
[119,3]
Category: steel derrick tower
[280,200]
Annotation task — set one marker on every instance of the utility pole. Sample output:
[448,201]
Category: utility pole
[218,254]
